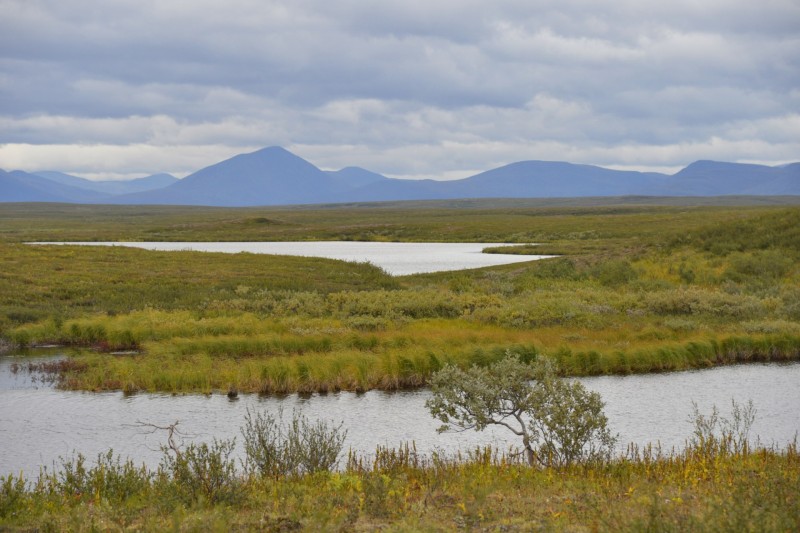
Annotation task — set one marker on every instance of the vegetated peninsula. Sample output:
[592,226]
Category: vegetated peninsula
[275,176]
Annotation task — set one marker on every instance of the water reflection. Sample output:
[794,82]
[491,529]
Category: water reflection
[38,424]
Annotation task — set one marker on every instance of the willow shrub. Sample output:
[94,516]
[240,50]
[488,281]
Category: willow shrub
[274,448]
[202,472]
[559,422]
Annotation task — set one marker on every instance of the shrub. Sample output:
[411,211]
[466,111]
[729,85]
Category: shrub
[615,272]
[273,448]
[12,493]
[714,434]
[560,422]
[763,266]
[556,268]
[203,472]
[693,301]
[108,479]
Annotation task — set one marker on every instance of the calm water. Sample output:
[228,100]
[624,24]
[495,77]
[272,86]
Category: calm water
[396,258]
[38,424]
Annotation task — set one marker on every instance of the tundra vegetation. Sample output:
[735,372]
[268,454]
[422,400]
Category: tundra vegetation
[719,482]
[560,423]
[638,288]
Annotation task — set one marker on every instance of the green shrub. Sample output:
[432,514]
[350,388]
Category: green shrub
[614,272]
[761,266]
[556,268]
[109,479]
[694,301]
[274,448]
[714,434]
[203,472]
[559,421]
[13,491]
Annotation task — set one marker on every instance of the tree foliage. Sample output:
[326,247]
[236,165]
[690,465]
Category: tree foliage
[559,421]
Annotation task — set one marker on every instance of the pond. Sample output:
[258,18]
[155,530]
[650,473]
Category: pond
[38,423]
[396,258]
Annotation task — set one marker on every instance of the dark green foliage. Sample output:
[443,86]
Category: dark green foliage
[13,491]
[777,230]
[203,472]
[559,422]
[614,272]
[762,267]
[556,268]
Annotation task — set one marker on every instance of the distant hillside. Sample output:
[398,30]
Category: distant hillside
[354,177]
[717,178]
[18,186]
[112,187]
[548,179]
[271,176]
[275,176]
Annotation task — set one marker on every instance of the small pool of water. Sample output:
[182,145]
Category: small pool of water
[396,258]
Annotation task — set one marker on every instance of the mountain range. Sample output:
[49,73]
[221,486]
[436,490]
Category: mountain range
[275,176]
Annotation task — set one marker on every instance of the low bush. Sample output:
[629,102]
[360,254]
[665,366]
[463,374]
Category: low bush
[274,448]
[614,272]
[202,472]
[560,423]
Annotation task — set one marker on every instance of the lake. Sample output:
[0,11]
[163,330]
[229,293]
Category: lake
[396,258]
[38,423]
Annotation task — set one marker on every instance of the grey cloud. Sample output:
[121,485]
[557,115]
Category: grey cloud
[448,85]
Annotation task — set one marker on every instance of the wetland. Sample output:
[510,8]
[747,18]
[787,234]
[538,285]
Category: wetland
[638,295]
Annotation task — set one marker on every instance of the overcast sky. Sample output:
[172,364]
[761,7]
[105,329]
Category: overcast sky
[411,88]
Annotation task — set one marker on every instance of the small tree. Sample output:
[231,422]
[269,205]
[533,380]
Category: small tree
[559,421]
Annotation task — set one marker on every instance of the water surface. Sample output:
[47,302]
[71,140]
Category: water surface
[396,258]
[38,424]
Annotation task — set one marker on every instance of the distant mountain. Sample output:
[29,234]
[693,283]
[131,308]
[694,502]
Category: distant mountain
[112,187]
[354,177]
[18,186]
[396,189]
[704,178]
[271,176]
[549,179]
[274,176]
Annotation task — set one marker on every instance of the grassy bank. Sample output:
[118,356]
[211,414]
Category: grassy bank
[701,489]
[182,352]
[642,289]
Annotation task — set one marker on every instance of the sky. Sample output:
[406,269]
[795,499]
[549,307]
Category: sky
[438,89]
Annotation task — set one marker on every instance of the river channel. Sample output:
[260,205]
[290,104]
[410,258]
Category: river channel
[39,423]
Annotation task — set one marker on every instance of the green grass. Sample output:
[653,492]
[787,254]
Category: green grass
[642,289]
[644,285]
[695,490]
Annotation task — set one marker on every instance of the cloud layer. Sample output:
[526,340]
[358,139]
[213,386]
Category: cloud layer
[408,89]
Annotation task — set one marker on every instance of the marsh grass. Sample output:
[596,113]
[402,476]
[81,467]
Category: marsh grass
[643,289]
[640,288]
[713,484]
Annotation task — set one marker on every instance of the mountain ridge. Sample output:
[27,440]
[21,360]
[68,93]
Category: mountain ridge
[111,187]
[276,176]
